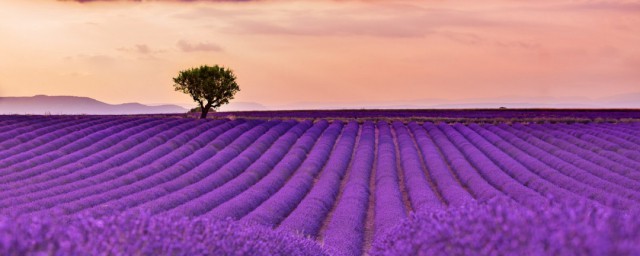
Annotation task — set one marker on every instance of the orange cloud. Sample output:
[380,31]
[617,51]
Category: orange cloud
[197,47]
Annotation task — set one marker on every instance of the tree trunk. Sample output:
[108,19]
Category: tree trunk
[204,113]
[205,110]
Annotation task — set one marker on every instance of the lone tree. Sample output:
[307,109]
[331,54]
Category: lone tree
[211,87]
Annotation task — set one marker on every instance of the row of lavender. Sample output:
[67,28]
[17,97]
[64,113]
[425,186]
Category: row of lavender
[590,114]
[342,183]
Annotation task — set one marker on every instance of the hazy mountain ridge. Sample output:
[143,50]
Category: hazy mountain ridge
[73,105]
[630,100]
[42,104]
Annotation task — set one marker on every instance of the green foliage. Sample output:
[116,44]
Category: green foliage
[195,110]
[210,87]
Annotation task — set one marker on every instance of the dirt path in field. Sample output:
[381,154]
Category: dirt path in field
[401,179]
[369,226]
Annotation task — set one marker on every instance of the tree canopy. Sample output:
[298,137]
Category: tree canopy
[210,87]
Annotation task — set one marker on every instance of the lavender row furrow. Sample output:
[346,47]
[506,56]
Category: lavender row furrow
[100,167]
[273,210]
[441,175]
[32,137]
[583,158]
[308,215]
[503,172]
[14,128]
[58,147]
[102,150]
[560,162]
[216,196]
[183,160]
[632,153]
[482,188]
[625,136]
[545,172]
[185,188]
[345,231]
[53,140]
[521,166]
[626,128]
[389,207]
[147,163]
[308,147]
[613,162]
[421,194]
[70,153]
[25,134]
[626,142]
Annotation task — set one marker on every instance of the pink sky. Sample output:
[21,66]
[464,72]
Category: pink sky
[285,52]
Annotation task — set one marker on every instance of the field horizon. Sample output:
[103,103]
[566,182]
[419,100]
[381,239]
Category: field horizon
[69,105]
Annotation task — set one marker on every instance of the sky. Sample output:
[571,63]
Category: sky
[287,52]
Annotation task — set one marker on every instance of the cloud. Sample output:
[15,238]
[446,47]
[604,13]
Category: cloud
[198,47]
[618,6]
[386,20]
[142,49]
[474,39]
[138,48]
[93,59]
[354,18]
[180,1]
[97,58]
[76,74]
[463,38]
[521,44]
[586,6]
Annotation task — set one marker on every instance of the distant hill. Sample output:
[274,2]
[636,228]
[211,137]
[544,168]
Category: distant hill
[629,100]
[242,106]
[72,105]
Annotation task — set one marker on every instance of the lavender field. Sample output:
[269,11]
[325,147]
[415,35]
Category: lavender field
[100,185]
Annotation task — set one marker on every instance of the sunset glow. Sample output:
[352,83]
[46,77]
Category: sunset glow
[325,52]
